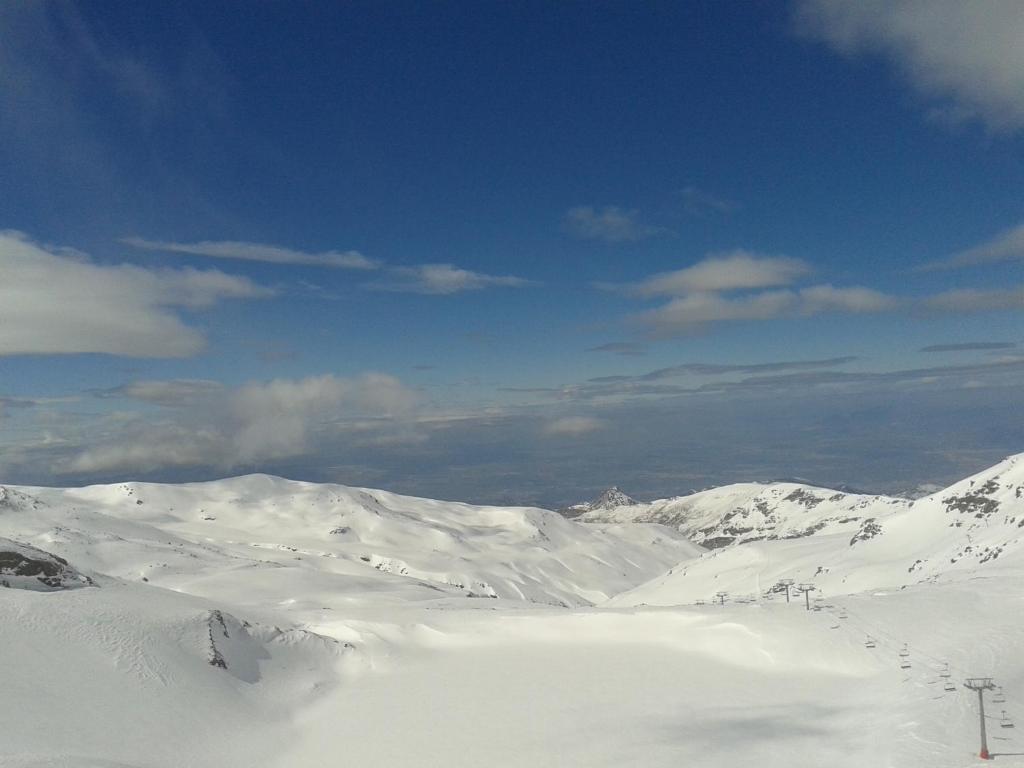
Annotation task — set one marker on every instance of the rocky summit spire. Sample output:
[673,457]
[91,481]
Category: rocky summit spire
[612,498]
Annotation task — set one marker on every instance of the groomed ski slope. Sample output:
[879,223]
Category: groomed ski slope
[229,625]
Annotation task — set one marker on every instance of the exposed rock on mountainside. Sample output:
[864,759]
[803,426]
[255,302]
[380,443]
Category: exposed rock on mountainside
[734,514]
[610,499]
[25,567]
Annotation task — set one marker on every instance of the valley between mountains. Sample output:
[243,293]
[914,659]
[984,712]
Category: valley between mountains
[262,621]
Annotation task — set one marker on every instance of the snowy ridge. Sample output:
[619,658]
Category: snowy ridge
[25,567]
[259,621]
[871,542]
[744,512]
[336,538]
[609,499]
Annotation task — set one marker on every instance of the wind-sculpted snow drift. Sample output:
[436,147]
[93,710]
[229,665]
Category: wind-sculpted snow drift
[261,621]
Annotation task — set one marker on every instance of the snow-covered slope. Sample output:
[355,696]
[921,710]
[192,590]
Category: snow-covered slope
[126,675]
[258,621]
[334,539]
[965,529]
[743,512]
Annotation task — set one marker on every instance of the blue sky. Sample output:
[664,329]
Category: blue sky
[511,251]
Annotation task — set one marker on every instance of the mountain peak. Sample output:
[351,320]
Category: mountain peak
[612,498]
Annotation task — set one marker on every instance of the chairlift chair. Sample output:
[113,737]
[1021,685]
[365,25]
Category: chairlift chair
[905,651]
[905,664]
[843,615]
[1005,721]
[950,686]
[998,697]
[869,643]
[945,671]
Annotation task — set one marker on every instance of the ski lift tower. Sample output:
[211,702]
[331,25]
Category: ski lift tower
[721,597]
[787,583]
[981,684]
[807,589]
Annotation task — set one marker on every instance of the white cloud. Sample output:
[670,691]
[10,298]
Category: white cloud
[271,254]
[172,393]
[697,202]
[260,421]
[974,300]
[690,313]
[743,285]
[695,311]
[730,271]
[610,223]
[150,448]
[55,301]
[625,348]
[573,425]
[443,279]
[966,53]
[277,418]
[826,298]
[1006,246]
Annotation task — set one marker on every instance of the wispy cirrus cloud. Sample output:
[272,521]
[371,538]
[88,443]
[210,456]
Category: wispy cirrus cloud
[718,369]
[743,285]
[970,346]
[966,300]
[1008,245]
[697,202]
[727,271]
[442,280]
[611,224]
[245,251]
[778,377]
[696,311]
[56,301]
[966,55]
[573,426]
[625,348]
[172,393]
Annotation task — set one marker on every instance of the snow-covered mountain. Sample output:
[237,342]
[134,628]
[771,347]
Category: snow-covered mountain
[744,512]
[261,621]
[838,542]
[608,500]
[335,538]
